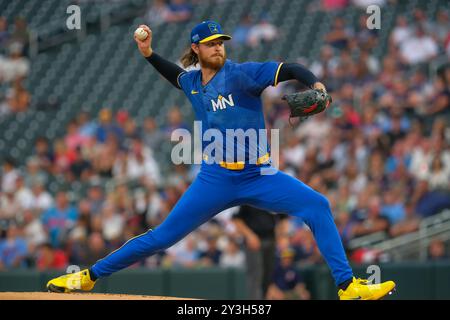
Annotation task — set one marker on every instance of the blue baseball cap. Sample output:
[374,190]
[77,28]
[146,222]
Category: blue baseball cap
[207,31]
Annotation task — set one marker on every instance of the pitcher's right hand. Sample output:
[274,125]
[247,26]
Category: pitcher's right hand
[145,46]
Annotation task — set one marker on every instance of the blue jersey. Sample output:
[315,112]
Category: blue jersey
[232,100]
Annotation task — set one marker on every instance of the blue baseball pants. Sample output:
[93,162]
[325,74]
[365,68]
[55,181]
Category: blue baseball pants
[216,189]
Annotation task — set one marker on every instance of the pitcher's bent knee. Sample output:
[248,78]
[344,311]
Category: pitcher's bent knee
[323,202]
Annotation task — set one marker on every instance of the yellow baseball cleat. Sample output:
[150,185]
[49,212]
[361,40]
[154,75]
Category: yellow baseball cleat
[360,289]
[78,281]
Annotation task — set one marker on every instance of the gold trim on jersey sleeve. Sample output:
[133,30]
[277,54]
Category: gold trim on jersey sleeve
[276,74]
[178,78]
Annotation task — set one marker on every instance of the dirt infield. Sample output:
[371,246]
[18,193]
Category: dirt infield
[78,296]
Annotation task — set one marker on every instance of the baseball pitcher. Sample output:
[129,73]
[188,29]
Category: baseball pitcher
[227,95]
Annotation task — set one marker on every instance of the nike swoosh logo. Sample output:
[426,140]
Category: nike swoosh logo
[194,92]
[310,109]
[357,298]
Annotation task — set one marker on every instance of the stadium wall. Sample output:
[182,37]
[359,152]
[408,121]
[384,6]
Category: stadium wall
[414,281]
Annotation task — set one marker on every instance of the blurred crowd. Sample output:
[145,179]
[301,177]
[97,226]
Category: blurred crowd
[14,66]
[380,154]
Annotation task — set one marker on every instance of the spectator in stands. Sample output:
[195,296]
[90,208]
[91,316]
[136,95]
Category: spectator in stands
[152,136]
[23,195]
[43,152]
[174,121]
[80,168]
[315,130]
[4,34]
[43,200]
[50,258]
[59,219]
[64,157]
[157,207]
[131,128]
[179,11]
[104,156]
[429,202]
[86,126]
[34,232]
[138,163]
[352,178]
[183,254]
[15,66]
[158,13]
[20,33]
[408,224]
[393,205]
[437,250]
[113,222]
[345,226]
[13,249]
[107,127]
[178,177]
[9,175]
[9,209]
[18,98]
[74,139]
[334,5]
[34,172]
[302,241]
[232,257]
[374,221]
[85,210]
[376,172]
[420,18]
[211,255]
[365,69]
[240,35]
[420,48]
[439,174]
[94,250]
[262,32]
[294,152]
[96,198]
[401,32]
[287,283]
[440,100]
[366,39]
[325,65]
[340,35]
[441,27]
[122,198]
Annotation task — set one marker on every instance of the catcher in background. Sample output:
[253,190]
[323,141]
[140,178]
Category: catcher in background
[226,95]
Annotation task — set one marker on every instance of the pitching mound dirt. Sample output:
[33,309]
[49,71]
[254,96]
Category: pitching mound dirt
[78,296]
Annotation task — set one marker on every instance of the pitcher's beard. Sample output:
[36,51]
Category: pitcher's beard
[214,63]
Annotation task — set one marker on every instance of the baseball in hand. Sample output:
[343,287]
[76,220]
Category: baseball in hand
[141,34]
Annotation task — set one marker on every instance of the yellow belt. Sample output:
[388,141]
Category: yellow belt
[240,164]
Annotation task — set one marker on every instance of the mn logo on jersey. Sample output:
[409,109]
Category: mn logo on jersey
[222,102]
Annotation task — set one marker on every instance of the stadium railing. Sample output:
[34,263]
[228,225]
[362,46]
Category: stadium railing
[411,245]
